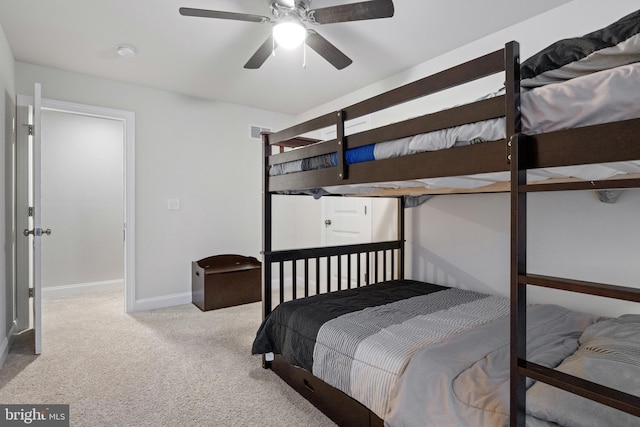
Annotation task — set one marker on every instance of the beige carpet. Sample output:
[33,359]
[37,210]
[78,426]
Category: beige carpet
[168,367]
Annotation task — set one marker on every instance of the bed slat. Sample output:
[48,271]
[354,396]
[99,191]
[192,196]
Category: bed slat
[313,124]
[319,149]
[591,288]
[611,142]
[321,252]
[325,258]
[593,391]
[483,66]
[468,113]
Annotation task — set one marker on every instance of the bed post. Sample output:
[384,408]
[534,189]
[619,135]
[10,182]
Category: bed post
[401,257]
[343,171]
[518,326]
[266,228]
[518,337]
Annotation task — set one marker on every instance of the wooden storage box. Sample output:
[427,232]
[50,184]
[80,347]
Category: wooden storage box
[224,281]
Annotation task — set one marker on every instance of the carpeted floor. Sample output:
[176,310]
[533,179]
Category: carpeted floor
[168,367]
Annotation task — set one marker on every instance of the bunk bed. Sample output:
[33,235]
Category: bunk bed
[432,370]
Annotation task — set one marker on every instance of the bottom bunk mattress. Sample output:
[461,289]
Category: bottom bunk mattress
[418,354]
[357,338]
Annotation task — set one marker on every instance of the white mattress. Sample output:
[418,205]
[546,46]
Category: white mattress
[601,97]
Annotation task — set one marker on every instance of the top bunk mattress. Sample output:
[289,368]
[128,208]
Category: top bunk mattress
[601,97]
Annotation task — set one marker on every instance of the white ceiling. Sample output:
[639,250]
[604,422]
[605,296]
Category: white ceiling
[205,57]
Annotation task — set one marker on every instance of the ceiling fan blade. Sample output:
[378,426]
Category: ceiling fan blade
[203,13]
[353,12]
[261,54]
[328,51]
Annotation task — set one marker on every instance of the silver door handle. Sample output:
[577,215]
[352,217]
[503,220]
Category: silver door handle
[327,222]
[37,232]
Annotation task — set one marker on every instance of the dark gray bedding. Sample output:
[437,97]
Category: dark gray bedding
[291,329]
[360,341]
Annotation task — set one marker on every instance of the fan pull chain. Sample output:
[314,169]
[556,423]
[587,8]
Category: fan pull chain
[304,55]
[273,46]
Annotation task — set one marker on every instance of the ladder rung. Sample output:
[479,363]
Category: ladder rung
[608,396]
[592,288]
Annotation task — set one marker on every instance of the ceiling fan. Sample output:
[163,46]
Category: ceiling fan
[289,19]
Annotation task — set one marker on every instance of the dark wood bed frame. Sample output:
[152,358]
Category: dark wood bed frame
[516,154]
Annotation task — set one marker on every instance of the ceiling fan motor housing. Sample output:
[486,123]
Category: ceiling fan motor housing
[291,9]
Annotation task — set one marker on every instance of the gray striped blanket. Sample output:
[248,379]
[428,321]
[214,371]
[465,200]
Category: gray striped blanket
[360,341]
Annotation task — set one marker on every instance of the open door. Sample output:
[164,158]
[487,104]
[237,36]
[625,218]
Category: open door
[28,243]
[37,231]
[22,215]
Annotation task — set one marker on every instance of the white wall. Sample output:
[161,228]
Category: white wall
[463,240]
[187,148]
[296,222]
[7,90]
[82,200]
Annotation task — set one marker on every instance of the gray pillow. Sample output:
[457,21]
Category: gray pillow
[612,46]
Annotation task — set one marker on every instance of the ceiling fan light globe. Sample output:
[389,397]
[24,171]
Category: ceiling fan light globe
[289,34]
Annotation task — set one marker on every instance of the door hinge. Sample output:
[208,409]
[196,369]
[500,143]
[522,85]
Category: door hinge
[30,129]
[30,210]
[30,292]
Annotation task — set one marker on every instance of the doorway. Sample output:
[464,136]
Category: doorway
[82,201]
[120,122]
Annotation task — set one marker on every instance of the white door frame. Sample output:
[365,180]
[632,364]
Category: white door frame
[128,120]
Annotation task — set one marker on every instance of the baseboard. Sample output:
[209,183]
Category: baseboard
[162,301]
[5,346]
[78,288]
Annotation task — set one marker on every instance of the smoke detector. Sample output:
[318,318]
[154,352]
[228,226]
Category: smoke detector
[126,51]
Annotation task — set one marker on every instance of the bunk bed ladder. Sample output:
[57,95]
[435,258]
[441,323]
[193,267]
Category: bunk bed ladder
[521,368]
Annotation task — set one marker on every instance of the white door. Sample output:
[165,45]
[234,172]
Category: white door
[346,221]
[28,224]
[22,215]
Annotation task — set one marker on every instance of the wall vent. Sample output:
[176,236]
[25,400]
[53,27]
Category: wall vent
[255,131]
